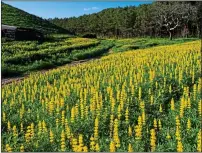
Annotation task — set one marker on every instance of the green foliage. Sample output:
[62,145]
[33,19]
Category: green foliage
[140,21]
[140,43]
[20,57]
[16,17]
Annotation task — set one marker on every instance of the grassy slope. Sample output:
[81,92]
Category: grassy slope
[139,43]
[22,57]
[16,17]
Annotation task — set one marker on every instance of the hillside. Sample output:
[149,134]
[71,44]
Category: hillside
[16,17]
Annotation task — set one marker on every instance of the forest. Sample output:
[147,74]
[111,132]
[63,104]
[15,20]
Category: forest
[159,19]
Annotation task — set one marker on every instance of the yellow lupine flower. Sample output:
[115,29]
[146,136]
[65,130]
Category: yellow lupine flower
[138,132]
[199,141]
[127,115]
[28,134]
[51,136]
[139,120]
[22,149]
[172,104]
[4,117]
[75,145]
[9,125]
[188,124]
[159,124]
[112,147]
[130,149]
[116,134]
[200,107]
[63,117]
[155,123]
[194,92]
[160,109]
[96,129]
[72,115]
[140,93]
[177,133]
[143,118]
[97,148]
[168,136]
[153,140]
[179,146]
[81,140]
[32,130]
[85,149]
[21,127]
[111,123]
[8,148]
[129,131]
[62,141]
[92,144]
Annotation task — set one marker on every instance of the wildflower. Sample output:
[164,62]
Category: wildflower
[81,140]
[8,148]
[143,118]
[97,148]
[199,107]
[92,144]
[160,109]
[116,134]
[172,104]
[155,123]
[179,146]
[22,149]
[168,136]
[112,147]
[130,149]
[96,129]
[63,118]
[153,140]
[159,124]
[72,115]
[129,131]
[4,117]
[199,140]
[9,125]
[51,136]
[85,149]
[138,132]
[188,125]
[62,141]
[126,115]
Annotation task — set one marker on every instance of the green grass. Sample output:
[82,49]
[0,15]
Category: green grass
[16,17]
[19,58]
[139,43]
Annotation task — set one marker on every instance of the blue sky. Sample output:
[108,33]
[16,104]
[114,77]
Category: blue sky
[61,9]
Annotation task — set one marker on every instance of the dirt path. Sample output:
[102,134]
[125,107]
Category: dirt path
[5,81]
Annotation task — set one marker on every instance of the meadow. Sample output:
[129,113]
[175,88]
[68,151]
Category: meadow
[23,57]
[144,99]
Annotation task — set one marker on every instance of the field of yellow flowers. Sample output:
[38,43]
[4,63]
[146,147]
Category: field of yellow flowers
[143,100]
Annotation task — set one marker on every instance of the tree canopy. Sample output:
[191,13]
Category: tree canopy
[158,19]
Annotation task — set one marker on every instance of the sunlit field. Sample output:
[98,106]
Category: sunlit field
[139,100]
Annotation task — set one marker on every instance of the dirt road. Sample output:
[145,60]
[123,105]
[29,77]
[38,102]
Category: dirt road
[5,81]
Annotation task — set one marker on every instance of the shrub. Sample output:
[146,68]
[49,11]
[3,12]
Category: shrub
[89,35]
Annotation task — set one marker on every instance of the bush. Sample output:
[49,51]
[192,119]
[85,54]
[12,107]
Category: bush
[89,35]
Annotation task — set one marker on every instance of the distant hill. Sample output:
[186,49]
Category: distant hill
[16,17]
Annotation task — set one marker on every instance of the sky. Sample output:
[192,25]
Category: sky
[62,9]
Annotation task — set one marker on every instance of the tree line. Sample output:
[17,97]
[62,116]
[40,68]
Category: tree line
[159,19]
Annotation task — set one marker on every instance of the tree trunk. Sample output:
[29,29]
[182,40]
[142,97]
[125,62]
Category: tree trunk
[170,35]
